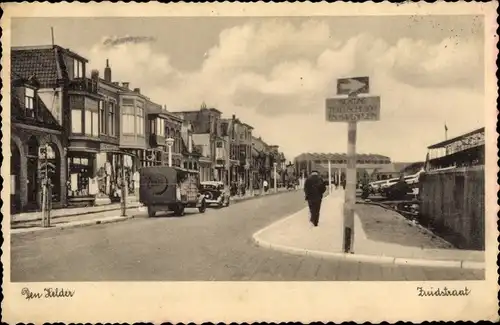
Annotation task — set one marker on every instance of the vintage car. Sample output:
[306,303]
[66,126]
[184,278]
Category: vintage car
[215,193]
[170,189]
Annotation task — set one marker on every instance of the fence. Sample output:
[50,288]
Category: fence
[452,202]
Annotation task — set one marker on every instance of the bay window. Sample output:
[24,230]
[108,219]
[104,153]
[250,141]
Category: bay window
[76,120]
[128,119]
[91,122]
[102,116]
[140,118]
[160,127]
[111,118]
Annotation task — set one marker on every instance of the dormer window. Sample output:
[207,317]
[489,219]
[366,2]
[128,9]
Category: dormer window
[29,102]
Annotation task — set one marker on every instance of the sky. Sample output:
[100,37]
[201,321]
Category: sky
[275,73]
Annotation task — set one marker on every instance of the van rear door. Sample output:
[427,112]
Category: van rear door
[157,185]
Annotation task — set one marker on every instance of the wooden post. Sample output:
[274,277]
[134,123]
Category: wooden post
[350,191]
[329,177]
[123,191]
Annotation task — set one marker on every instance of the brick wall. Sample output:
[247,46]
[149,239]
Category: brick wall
[453,202]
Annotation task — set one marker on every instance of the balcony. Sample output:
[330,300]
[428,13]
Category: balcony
[84,85]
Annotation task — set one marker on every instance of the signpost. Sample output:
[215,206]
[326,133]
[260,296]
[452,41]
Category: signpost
[351,110]
[353,86]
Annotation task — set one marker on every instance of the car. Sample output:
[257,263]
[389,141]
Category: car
[170,189]
[215,193]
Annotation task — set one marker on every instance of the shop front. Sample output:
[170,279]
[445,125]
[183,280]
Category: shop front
[82,173]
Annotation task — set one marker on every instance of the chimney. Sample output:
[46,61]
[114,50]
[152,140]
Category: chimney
[126,84]
[137,90]
[107,72]
[94,75]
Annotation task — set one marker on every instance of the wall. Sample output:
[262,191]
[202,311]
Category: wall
[452,202]
[53,101]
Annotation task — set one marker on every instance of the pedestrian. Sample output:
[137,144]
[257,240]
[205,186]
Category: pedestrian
[314,189]
[266,186]
[344,183]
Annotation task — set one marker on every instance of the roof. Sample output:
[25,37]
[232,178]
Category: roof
[450,141]
[339,156]
[41,62]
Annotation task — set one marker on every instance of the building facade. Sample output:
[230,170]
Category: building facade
[33,126]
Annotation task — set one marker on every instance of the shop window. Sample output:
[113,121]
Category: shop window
[29,102]
[80,173]
[76,121]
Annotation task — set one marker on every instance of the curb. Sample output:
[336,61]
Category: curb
[73,225]
[136,205]
[367,258]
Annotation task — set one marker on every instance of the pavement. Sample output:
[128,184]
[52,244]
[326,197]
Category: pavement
[381,236]
[214,246]
[87,216]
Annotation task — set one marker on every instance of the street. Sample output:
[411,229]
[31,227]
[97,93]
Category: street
[216,246]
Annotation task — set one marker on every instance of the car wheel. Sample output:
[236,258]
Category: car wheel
[179,210]
[151,212]
[203,207]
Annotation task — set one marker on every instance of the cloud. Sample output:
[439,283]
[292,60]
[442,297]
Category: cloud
[115,40]
[276,75]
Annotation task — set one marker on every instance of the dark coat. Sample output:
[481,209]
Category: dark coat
[314,187]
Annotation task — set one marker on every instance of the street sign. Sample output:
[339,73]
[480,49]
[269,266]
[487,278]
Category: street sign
[350,86]
[353,109]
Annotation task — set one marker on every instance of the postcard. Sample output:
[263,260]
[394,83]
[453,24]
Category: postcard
[260,162]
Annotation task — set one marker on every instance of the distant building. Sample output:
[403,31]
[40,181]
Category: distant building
[462,151]
[367,164]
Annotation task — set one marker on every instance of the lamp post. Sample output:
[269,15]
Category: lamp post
[275,185]
[170,143]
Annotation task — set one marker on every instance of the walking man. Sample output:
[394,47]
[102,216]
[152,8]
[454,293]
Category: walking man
[314,189]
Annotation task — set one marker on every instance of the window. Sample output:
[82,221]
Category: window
[160,127]
[76,121]
[91,123]
[167,132]
[102,116]
[219,144]
[140,118]
[111,118]
[128,119]
[78,69]
[29,102]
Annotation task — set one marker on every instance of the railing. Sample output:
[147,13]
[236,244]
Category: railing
[83,84]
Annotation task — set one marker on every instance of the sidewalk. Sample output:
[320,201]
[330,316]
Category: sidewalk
[379,237]
[79,217]
[68,212]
